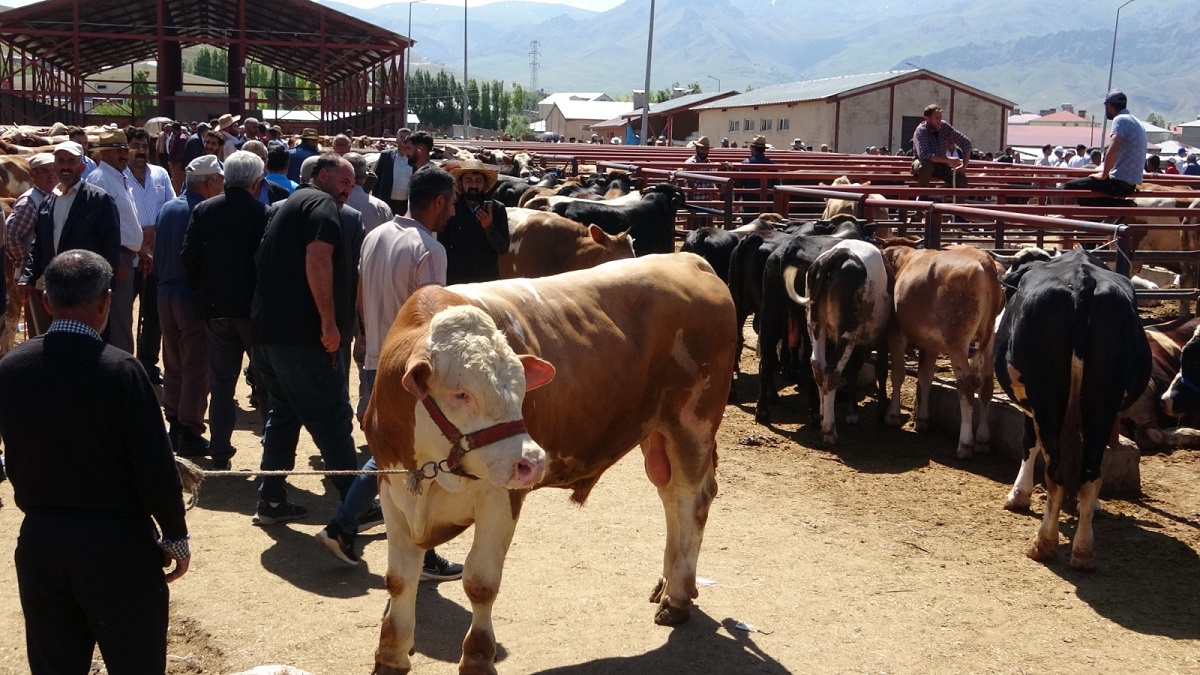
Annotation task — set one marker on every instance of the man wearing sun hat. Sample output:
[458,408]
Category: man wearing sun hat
[758,151]
[307,148]
[701,145]
[19,235]
[227,132]
[478,233]
[112,148]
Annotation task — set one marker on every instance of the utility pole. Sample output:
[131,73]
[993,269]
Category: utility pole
[466,101]
[646,105]
[533,70]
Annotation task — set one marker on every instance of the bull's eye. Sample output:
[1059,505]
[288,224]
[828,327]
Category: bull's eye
[460,396]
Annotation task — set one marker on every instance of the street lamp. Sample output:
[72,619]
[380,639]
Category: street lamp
[407,63]
[466,102]
[717,79]
[646,105]
[1112,60]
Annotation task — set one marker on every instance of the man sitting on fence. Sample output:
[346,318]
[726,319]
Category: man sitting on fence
[1123,161]
[931,140]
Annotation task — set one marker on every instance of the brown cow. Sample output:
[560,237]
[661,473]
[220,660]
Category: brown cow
[944,301]
[14,176]
[1143,419]
[547,243]
[872,214]
[621,381]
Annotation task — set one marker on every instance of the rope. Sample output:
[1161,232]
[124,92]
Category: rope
[304,472]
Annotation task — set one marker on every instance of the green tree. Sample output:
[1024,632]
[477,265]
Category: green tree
[484,113]
[202,64]
[517,126]
[142,107]
[472,100]
[1156,119]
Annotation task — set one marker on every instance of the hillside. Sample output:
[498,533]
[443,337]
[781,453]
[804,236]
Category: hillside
[1036,53]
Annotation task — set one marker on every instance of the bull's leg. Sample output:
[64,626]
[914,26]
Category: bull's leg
[680,464]
[848,376]
[965,383]
[985,368]
[926,363]
[823,384]
[403,574]
[482,572]
[1045,545]
[896,346]
[1083,548]
[1021,494]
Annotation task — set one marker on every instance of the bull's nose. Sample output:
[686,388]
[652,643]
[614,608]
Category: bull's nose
[1168,403]
[529,469]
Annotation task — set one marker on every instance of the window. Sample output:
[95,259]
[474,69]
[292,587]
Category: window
[735,125]
[585,127]
[766,124]
[748,124]
[785,123]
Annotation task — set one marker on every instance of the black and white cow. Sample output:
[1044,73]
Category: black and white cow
[1071,352]
[1182,397]
[849,305]
[650,220]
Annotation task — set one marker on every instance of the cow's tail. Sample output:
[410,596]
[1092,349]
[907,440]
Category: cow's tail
[1071,438]
[789,283]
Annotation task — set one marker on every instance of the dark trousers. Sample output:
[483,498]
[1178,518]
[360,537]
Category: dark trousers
[1109,186]
[85,580]
[306,387]
[227,340]
[149,328]
[399,206]
[927,171]
[37,318]
[185,360]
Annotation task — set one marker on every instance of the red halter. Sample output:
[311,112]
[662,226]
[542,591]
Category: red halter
[464,443]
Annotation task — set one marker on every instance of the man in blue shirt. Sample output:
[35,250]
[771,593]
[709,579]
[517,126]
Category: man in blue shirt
[1124,160]
[307,148]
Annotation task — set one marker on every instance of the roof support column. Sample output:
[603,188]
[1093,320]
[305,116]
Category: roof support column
[237,64]
[170,61]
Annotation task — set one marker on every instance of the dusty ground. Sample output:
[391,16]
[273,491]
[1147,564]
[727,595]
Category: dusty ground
[883,555]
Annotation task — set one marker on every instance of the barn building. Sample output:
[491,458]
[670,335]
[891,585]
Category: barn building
[350,73]
[853,112]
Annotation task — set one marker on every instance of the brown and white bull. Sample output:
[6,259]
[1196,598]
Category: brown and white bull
[849,305]
[544,243]
[643,355]
[944,301]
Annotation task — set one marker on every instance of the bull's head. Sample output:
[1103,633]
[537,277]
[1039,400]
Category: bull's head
[478,383]
[1183,396]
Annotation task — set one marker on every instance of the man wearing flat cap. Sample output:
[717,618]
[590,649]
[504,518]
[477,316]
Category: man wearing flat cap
[112,150]
[19,236]
[76,214]
[1124,160]
[478,233]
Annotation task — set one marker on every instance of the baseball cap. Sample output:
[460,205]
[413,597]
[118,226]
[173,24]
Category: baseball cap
[41,159]
[71,147]
[1117,98]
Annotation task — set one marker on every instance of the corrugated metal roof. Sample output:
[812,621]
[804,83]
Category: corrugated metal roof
[574,96]
[808,90]
[685,101]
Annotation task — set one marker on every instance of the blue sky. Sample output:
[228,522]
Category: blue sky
[596,5]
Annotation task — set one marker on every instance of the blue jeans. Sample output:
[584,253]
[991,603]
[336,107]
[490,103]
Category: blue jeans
[306,386]
[364,488]
[227,339]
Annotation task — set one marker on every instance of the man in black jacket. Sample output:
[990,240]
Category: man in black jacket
[478,233]
[75,215]
[218,259]
[394,170]
[92,469]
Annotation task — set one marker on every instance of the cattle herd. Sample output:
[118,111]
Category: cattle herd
[601,337]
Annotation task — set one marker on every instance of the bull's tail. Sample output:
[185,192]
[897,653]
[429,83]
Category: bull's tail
[1071,437]
[789,283]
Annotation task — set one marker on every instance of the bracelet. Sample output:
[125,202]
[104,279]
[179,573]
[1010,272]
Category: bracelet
[176,549]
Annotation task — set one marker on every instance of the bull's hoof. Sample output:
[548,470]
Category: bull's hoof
[1043,550]
[383,669]
[922,424]
[852,418]
[893,420]
[668,615]
[1018,501]
[762,414]
[1082,560]
[830,439]
[983,447]
[965,450]
[656,595]
[476,668]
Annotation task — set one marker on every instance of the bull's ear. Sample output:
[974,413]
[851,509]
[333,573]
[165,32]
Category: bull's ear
[598,235]
[416,376]
[537,371]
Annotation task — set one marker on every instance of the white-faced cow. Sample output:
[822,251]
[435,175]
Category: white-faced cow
[944,301]
[849,305]
[1071,352]
[643,354]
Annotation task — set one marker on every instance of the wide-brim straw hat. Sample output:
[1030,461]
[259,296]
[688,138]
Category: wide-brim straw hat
[489,175]
[759,141]
[227,120]
[111,139]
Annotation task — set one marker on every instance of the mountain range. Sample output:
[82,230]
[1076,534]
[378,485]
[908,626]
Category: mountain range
[1036,53]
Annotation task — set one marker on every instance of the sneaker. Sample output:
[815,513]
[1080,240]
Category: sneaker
[372,518]
[269,513]
[191,444]
[337,542]
[438,568]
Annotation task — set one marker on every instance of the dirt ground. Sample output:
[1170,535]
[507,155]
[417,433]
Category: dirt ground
[885,554]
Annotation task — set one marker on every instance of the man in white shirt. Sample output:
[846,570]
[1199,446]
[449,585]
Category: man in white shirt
[394,170]
[150,186]
[397,258]
[1081,157]
[374,210]
[113,152]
